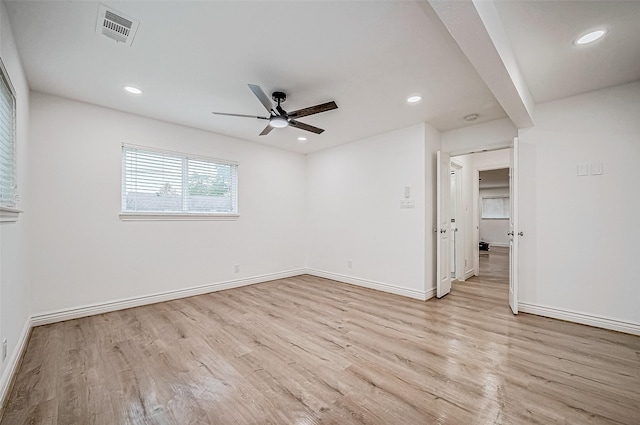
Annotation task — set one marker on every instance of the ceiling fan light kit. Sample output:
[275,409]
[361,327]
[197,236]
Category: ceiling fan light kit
[278,117]
[278,122]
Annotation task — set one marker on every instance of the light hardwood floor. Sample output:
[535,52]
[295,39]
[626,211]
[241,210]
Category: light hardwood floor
[306,350]
[494,265]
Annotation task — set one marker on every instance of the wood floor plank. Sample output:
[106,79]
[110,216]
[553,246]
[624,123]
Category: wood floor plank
[307,350]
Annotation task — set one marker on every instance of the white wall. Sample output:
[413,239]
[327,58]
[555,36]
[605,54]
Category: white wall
[494,231]
[14,249]
[83,254]
[486,136]
[580,248]
[354,194]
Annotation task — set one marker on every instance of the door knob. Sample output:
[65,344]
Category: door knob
[509,233]
[443,230]
[521,233]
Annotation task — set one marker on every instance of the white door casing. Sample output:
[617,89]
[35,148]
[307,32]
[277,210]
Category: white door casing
[514,231]
[443,219]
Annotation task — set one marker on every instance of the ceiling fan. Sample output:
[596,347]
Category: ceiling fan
[278,117]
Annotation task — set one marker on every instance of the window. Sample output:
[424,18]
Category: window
[157,184]
[496,207]
[8,185]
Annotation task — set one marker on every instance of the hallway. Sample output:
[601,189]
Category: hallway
[494,265]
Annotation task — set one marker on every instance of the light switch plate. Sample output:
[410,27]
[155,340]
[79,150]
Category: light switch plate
[583,169]
[596,168]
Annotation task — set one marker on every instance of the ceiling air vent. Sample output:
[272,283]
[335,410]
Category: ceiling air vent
[116,26]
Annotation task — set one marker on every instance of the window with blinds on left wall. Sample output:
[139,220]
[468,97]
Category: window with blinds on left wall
[8,174]
[165,185]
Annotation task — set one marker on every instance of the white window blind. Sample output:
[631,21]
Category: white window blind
[496,207]
[8,185]
[156,181]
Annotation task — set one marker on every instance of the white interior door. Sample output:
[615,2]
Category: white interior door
[443,217]
[514,232]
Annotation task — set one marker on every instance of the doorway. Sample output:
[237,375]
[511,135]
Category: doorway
[480,185]
[493,215]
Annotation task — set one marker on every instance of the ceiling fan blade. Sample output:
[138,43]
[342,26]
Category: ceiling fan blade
[266,130]
[262,97]
[313,110]
[240,115]
[303,126]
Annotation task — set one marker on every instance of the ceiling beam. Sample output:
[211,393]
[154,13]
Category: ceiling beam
[476,26]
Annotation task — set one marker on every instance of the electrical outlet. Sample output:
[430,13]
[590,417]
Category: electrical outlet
[236,268]
[4,349]
[349,264]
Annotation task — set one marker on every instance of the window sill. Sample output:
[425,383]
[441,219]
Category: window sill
[177,217]
[9,215]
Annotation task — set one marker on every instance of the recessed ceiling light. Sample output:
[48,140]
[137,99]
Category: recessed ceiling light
[414,98]
[590,37]
[132,90]
[302,139]
[471,117]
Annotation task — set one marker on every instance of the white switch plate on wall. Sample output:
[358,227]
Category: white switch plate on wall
[583,169]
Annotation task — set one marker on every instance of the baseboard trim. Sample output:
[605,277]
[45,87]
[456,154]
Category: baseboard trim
[106,307]
[379,286]
[469,274]
[14,363]
[578,317]
[431,293]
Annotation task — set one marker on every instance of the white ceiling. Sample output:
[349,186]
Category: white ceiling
[192,58]
[542,35]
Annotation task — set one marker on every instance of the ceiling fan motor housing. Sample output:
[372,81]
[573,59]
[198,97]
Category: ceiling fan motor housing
[279,96]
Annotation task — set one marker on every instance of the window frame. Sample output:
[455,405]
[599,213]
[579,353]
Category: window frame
[8,210]
[177,216]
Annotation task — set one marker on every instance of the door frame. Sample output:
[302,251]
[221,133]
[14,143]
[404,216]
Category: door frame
[476,196]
